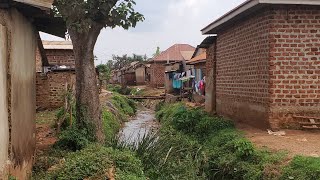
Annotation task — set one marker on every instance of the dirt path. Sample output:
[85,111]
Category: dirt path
[296,142]
[45,133]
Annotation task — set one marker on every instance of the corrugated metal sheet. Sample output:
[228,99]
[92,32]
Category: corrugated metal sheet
[37,3]
[57,45]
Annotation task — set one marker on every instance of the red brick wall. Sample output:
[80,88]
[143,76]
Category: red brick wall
[242,70]
[50,88]
[294,63]
[60,57]
[157,71]
[42,91]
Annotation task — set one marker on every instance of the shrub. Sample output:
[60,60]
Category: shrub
[124,90]
[111,125]
[124,105]
[173,155]
[306,168]
[74,138]
[223,152]
[95,161]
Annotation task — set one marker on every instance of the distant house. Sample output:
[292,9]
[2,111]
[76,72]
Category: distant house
[141,73]
[20,22]
[176,53]
[263,66]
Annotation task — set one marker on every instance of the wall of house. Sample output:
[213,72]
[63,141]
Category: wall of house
[43,92]
[202,66]
[130,79]
[4,130]
[157,77]
[210,99]
[140,75]
[21,93]
[294,63]
[51,88]
[60,57]
[242,86]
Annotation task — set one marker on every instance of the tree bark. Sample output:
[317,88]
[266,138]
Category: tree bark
[87,97]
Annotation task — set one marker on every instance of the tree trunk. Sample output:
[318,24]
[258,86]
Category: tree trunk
[87,97]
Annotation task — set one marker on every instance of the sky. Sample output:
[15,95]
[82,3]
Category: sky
[167,22]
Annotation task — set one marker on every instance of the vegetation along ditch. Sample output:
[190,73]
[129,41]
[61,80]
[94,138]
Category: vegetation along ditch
[175,142]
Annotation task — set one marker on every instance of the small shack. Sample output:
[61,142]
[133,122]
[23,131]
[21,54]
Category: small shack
[175,53]
[57,72]
[20,22]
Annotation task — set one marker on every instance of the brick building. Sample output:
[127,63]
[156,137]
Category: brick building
[264,65]
[176,53]
[53,78]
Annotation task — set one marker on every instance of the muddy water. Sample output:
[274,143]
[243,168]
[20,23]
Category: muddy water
[143,123]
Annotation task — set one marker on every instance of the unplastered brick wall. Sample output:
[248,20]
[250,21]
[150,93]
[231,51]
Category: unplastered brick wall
[42,91]
[157,74]
[51,88]
[242,86]
[294,63]
[60,57]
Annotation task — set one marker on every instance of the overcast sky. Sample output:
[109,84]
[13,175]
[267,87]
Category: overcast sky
[167,22]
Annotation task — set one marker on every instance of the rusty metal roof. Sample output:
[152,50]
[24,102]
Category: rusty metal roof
[37,3]
[177,52]
[62,45]
[40,12]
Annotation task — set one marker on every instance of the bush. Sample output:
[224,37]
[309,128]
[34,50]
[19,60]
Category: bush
[223,152]
[306,168]
[74,139]
[111,125]
[173,155]
[95,161]
[124,105]
[121,90]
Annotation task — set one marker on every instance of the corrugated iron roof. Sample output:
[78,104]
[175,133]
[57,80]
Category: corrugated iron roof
[37,3]
[198,59]
[63,45]
[177,52]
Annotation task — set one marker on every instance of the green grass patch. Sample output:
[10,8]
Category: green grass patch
[111,125]
[306,168]
[46,117]
[125,106]
[193,145]
[94,162]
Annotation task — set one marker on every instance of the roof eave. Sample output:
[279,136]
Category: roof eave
[40,4]
[248,7]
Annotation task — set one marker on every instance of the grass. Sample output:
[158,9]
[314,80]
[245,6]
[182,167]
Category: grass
[46,117]
[193,145]
[77,156]
[306,168]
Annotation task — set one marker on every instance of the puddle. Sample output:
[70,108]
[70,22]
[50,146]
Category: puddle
[138,126]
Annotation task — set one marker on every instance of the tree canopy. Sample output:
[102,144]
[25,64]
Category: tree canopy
[84,15]
[85,19]
[119,62]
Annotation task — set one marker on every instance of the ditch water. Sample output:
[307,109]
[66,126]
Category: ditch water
[138,126]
